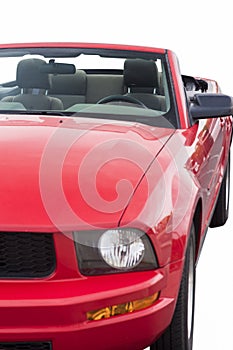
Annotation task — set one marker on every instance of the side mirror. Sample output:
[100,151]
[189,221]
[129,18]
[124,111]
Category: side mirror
[210,105]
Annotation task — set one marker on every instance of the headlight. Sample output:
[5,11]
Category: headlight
[114,251]
[121,249]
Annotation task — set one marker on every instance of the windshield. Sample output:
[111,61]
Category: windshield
[95,83]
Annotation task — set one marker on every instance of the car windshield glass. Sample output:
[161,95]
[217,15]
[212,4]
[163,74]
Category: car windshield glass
[96,83]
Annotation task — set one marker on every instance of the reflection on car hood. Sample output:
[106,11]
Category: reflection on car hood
[66,173]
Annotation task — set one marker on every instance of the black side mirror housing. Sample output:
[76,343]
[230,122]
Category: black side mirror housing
[210,105]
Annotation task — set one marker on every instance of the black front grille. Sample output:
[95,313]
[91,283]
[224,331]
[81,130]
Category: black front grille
[26,346]
[26,255]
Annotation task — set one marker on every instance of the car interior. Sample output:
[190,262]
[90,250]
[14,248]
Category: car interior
[56,85]
[37,89]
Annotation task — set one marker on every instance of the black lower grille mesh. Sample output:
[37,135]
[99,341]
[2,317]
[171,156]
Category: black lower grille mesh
[26,255]
[26,346]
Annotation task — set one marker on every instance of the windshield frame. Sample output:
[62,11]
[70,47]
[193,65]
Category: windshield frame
[66,51]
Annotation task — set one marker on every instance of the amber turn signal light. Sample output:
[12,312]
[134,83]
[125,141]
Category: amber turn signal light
[122,309]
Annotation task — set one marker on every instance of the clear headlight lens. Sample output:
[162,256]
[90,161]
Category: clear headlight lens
[114,251]
[121,249]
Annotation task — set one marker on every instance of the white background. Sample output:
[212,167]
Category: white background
[200,32]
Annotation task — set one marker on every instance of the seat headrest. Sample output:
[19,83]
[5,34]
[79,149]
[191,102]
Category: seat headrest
[140,73]
[69,84]
[29,75]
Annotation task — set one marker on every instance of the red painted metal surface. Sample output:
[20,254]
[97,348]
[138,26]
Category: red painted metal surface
[84,45]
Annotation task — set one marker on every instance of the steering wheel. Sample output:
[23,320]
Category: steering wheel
[123,98]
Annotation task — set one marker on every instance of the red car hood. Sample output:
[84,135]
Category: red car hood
[66,173]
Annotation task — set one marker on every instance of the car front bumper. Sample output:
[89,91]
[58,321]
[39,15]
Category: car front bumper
[56,310]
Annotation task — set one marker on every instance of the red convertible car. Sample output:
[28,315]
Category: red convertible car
[113,166]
